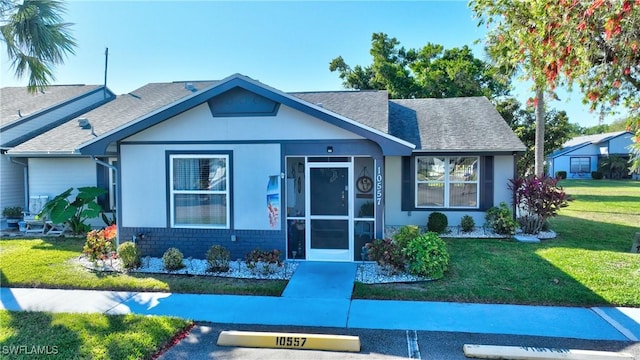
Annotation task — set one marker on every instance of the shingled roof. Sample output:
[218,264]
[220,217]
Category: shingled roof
[467,124]
[435,125]
[369,107]
[66,138]
[17,103]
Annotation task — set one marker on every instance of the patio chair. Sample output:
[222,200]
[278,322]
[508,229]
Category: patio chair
[34,224]
[55,229]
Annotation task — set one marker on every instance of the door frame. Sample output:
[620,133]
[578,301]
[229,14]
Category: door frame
[329,254]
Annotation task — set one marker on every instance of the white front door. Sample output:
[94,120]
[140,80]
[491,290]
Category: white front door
[329,211]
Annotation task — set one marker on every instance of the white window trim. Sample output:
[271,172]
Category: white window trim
[173,192]
[112,185]
[446,183]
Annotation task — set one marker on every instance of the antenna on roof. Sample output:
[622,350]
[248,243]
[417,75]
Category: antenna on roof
[106,66]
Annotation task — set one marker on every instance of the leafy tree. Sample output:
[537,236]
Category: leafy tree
[518,40]
[523,123]
[596,43]
[36,38]
[431,71]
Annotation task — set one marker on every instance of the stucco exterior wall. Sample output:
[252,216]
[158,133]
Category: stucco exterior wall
[395,216]
[198,124]
[620,144]
[144,177]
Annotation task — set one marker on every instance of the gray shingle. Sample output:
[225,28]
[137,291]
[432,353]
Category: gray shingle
[452,124]
[366,107]
[13,99]
[66,138]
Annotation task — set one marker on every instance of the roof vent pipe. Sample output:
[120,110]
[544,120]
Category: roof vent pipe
[84,123]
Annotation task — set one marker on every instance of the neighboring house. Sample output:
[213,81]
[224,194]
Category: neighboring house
[315,174]
[25,115]
[583,154]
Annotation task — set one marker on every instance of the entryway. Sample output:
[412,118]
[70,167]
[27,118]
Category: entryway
[322,280]
[330,215]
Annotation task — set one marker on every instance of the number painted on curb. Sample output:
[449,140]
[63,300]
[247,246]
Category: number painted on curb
[290,341]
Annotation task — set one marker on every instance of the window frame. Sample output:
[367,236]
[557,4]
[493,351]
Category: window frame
[172,192]
[447,182]
[588,162]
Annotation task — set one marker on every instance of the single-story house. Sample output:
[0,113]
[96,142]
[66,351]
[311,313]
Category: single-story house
[25,115]
[315,174]
[583,154]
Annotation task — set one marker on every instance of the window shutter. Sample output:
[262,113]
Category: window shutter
[486,185]
[408,182]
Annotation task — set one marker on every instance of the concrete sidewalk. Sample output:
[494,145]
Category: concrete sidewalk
[602,323]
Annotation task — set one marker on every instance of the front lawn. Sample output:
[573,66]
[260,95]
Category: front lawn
[588,264]
[39,335]
[47,263]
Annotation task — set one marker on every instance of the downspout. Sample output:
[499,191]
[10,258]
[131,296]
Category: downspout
[25,174]
[115,197]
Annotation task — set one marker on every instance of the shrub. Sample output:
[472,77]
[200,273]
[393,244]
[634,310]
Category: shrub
[12,212]
[75,212]
[427,256]
[437,222]
[467,223]
[218,258]
[100,244]
[172,259]
[500,220]
[561,174]
[406,233]
[388,254]
[263,261]
[596,175]
[129,255]
[538,199]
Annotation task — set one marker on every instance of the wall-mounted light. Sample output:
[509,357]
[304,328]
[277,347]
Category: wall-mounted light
[329,149]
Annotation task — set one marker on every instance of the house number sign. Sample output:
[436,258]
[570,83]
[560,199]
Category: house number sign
[379,185]
[290,341]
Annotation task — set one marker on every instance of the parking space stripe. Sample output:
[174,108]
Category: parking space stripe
[412,345]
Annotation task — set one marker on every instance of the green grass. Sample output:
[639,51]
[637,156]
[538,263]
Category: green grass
[588,264]
[47,263]
[85,336]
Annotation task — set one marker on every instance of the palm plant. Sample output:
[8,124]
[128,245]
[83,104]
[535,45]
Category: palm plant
[36,38]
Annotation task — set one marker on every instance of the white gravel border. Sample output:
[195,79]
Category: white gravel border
[368,272]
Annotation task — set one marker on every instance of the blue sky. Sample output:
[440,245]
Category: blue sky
[287,45]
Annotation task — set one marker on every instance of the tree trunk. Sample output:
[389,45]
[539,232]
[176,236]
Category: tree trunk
[539,142]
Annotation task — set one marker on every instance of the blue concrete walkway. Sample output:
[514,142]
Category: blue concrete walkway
[322,280]
[602,323]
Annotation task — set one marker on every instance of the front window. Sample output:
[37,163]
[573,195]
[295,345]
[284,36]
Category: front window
[580,164]
[199,191]
[447,182]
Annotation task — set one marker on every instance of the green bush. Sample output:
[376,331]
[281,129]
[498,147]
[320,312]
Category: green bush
[596,175]
[218,258]
[406,233]
[172,259]
[388,254]
[500,220]
[437,222]
[427,256]
[467,224]
[129,255]
[561,174]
